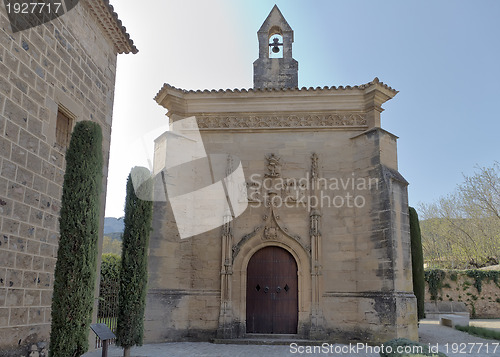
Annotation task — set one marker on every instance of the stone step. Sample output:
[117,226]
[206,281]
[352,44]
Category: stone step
[275,336]
[268,339]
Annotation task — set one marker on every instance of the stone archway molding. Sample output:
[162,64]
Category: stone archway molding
[302,258]
[272,230]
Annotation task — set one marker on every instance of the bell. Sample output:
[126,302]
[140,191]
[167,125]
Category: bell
[276,43]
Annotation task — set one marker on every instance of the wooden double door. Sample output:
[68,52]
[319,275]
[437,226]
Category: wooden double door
[272,292]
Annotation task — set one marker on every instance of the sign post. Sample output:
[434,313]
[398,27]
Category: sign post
[104,333]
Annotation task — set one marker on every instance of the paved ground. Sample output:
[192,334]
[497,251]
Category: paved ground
[455,343]
[450,341]
[491,324]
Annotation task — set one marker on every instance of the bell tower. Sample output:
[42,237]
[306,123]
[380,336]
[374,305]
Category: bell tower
[275,67]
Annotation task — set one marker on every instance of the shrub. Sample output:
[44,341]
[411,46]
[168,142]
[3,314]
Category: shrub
[109,286]
[110,267]
[75,272]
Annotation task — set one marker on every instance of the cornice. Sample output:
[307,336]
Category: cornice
[112,26]
[375,130]
[376,83]
[349,98]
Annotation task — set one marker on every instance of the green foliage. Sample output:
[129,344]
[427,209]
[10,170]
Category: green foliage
[116,236]
[110,280]
[480,331]
[473,312]
[110,267]
[417,262]
[75,272]
[110,245]
[133,275]
[434,279]
[480,275]
[409,348]
[462,229]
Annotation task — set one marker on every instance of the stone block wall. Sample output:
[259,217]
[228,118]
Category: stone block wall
[352,247]
[365,282]
[66,63]
[459,286]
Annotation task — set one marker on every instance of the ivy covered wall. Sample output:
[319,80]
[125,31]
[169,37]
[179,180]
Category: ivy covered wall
[478,289]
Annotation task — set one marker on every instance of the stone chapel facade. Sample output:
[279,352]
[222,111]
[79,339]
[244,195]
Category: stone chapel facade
[51,76]
[336,269]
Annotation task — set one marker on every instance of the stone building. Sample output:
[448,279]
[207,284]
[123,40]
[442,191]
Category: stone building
[51,76]
[323,249]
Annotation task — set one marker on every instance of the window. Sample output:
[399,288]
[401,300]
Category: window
[63,128]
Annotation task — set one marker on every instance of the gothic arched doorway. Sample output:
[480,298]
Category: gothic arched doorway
[272,292]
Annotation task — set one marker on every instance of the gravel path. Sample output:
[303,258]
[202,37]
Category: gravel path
[450,341]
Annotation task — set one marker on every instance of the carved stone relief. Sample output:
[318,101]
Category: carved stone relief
[334,120]
[289,189]
[274,166]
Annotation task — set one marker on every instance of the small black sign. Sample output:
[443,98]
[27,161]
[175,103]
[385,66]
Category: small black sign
[102,331]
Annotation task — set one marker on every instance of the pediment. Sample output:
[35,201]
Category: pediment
[275,18]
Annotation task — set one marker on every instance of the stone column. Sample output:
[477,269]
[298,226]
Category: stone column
[225,314]
[317,318]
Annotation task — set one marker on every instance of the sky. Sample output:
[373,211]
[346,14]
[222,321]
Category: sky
[442,56]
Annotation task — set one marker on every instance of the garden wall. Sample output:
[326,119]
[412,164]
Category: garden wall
[478,289]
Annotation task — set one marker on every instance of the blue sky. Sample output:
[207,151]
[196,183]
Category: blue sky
[443,57]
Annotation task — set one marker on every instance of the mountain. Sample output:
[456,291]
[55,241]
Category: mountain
[113,225]
[115,235]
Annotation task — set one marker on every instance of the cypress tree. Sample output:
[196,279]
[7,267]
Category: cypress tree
[417,262]
[134,273]
[75,272]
